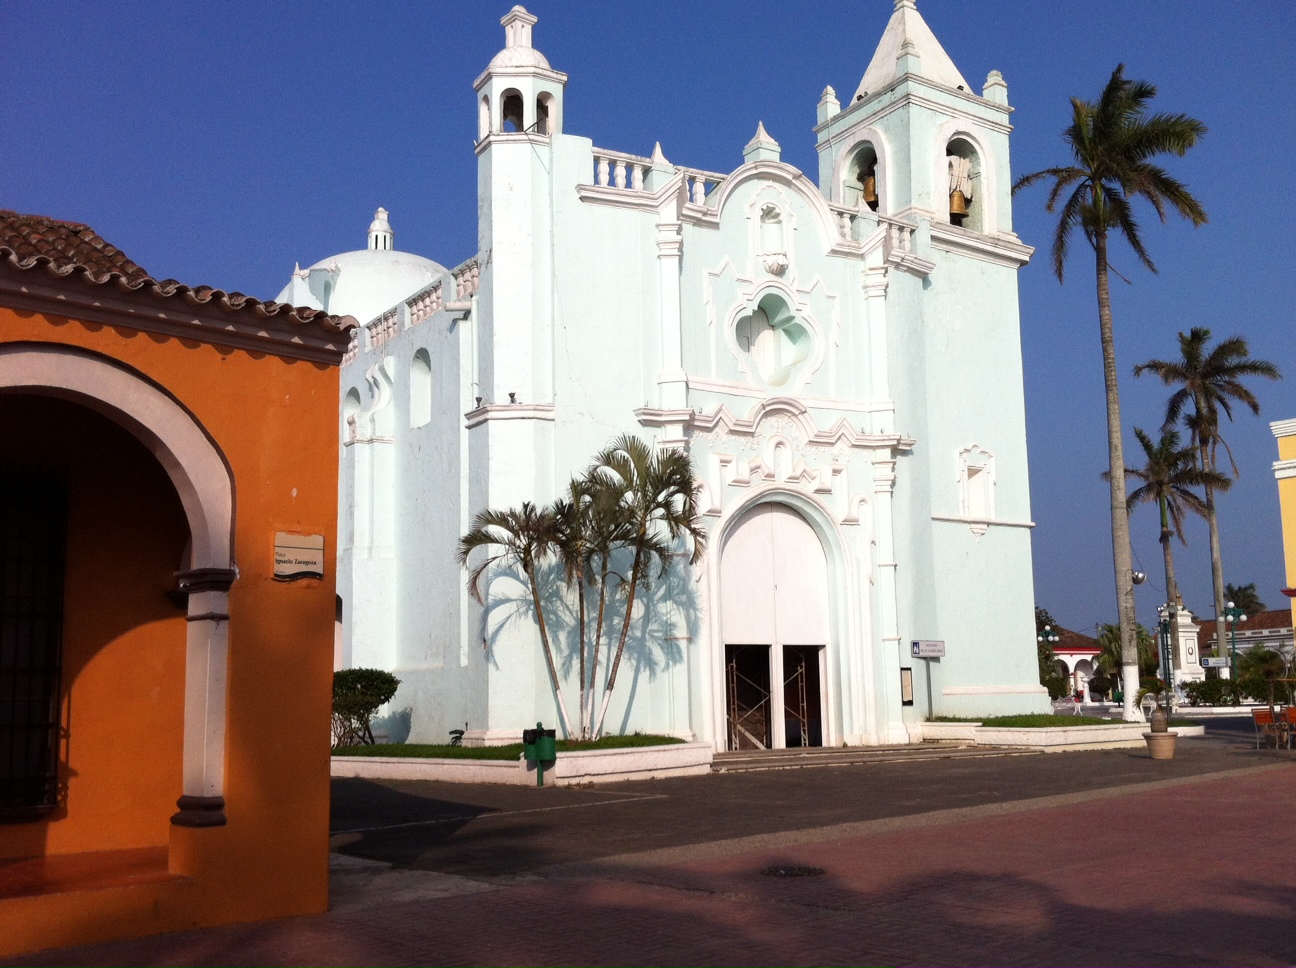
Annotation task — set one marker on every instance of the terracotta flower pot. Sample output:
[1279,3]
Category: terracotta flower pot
[1161,745]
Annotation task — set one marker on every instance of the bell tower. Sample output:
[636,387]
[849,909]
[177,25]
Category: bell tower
[520,123]
[914,140]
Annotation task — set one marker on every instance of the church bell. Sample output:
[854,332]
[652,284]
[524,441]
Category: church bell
[870,189]
[958,207]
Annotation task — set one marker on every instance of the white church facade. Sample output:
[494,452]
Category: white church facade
[838,354]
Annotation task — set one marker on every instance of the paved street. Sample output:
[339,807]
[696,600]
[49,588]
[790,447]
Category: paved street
[1079,858]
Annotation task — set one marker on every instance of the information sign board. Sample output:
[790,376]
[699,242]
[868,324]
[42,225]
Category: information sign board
[928,648]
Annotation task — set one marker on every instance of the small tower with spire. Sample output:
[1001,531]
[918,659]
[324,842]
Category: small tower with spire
[381,237]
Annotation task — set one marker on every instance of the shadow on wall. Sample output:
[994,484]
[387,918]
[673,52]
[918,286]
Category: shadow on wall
[665,620]
[394,726]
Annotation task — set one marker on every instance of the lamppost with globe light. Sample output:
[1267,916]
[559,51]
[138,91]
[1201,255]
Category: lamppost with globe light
[1233,615]
[1048,635]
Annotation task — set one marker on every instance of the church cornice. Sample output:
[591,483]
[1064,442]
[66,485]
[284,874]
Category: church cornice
[723,421]
[999,249]
[844,120]
[508,411]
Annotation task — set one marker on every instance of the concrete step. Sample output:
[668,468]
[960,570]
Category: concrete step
[809,757]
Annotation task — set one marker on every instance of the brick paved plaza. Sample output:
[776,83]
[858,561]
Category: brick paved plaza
[1101,858]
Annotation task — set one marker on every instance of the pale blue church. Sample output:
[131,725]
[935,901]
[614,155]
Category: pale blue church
[838,353]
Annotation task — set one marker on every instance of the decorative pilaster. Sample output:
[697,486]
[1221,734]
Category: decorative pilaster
[206,664]
[672,382]
[891,724]
[875,290]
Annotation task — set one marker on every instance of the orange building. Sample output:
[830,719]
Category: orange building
[168,505]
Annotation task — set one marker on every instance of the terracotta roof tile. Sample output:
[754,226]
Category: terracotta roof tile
[64,244]
[32,242]
[1277,618]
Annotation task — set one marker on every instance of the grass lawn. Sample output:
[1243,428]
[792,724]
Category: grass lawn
[1029,721]
[510,752]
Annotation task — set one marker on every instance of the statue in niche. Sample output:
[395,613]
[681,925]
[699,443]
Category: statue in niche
[773,250]
[960,187]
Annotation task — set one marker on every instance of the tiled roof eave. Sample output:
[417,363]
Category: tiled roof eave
[172,308]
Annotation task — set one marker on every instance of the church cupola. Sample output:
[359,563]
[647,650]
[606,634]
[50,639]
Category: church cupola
[519,93]
[381,237]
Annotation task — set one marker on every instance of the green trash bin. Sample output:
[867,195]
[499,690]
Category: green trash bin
[540,746]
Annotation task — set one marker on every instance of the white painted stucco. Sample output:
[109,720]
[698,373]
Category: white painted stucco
[861,369]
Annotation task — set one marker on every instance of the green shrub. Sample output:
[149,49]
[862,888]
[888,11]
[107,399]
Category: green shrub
[357,695]
[1211,692]
[1057,684]
[1100,685]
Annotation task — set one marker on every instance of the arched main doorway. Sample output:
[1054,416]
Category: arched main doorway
[775,626]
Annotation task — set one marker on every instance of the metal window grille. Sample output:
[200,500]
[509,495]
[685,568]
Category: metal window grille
[33,526]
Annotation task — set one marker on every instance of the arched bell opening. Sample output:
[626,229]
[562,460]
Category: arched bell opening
[860,183]
[511,111]
[963,163]
[544,123]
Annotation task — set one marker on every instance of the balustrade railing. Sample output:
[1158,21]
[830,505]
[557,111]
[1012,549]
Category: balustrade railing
[382,329]
[425,304]
[616,169]
[701,183]
[353,347]
[467,277]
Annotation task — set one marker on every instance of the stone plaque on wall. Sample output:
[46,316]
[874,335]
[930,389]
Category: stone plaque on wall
[298,556]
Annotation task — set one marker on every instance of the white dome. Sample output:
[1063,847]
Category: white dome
[365,283]
[519,57]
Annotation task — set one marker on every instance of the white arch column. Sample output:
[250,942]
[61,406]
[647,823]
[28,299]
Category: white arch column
[205,486]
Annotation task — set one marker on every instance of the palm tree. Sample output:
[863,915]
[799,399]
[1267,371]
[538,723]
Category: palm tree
[1245,597]
[571,542]
[659,499]
[1112,142]
[526,537]
[1111,659]
[1210,381]
[1168,477]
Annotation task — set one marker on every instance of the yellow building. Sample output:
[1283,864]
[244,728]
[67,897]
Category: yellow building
[1285,470]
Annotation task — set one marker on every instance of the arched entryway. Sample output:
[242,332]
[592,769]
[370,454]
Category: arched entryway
[775,627]
[204,486]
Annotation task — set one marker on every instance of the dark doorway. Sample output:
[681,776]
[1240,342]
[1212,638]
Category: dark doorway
[747,683]
[801,696]
[33,528]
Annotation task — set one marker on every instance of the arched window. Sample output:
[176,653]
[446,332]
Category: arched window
[965,184]
[350,413]
[544,114]
[512,106]
[483,117]
[860,183]
[420,388]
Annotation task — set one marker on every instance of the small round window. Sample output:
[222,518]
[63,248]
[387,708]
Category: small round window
[773,339]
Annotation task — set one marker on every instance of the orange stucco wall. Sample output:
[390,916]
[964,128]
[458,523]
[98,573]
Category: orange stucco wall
[275,420]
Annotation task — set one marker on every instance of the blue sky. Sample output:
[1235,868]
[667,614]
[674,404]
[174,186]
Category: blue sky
[218,143]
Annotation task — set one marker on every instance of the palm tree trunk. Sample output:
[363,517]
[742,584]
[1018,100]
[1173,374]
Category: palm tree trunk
[598,639]
[1217,569]
[580,598]
[625,630]
[1172,598]
[548,653]
[1121,555]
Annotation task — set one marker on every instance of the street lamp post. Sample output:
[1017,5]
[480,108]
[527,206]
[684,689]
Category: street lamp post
[1233,615]
[1166,628]
[1049,636]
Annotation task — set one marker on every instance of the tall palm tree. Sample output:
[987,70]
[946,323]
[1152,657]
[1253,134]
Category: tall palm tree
[1210,383]
[1112,143]
[526,537]
[1245,597]
[1168,477]
[659,497]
